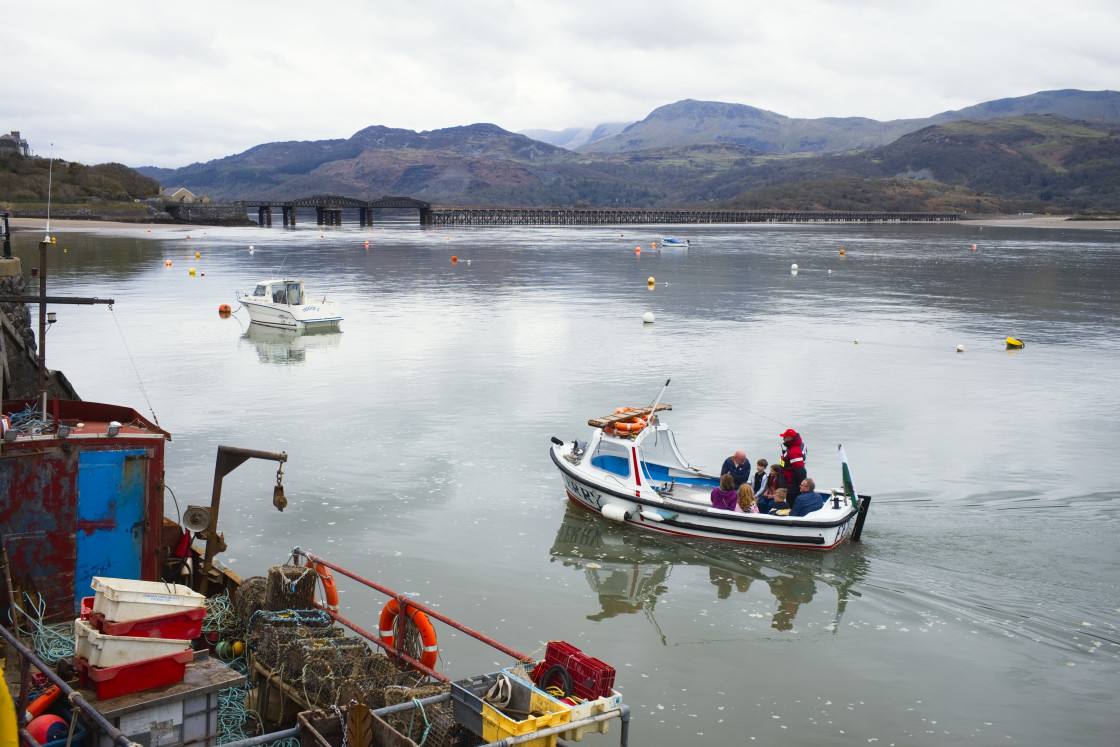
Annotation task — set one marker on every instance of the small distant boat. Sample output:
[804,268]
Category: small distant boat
[282,304]
[674,243]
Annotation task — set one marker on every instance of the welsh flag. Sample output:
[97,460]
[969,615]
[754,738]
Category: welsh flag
[846,476]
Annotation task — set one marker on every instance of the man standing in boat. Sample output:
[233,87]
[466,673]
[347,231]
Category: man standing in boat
[738,466]
[792,465]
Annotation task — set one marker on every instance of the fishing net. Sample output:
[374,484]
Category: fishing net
[290,587]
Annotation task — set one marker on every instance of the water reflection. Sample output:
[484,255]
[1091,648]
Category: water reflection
[630,570]
[285,346]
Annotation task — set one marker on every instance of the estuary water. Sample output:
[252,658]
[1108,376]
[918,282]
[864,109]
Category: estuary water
[982,607]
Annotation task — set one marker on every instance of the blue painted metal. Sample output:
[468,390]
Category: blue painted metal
[110,522]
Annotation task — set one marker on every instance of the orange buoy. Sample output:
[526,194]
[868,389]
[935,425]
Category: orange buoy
[224,309]
[841,251]
[167,263]
[454,260]
[637,250]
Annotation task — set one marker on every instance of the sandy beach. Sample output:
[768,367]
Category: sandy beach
[1006,221]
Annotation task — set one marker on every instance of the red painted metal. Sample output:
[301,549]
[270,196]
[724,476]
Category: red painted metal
[403,599]
[39,499]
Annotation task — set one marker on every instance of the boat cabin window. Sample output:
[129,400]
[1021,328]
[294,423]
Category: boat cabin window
[295,294]
[261,290]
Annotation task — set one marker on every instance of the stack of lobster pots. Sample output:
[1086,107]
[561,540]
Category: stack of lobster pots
[135,635]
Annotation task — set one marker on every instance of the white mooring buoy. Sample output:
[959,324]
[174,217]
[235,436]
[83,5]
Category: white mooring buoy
[647,318]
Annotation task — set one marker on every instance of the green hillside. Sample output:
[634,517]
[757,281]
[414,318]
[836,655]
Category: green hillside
[25,179]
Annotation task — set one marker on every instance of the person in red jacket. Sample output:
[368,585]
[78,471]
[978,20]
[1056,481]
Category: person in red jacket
[793,464]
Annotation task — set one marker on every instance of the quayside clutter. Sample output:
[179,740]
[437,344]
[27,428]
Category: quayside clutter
[122,626]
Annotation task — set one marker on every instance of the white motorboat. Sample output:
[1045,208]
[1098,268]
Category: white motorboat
[284,305]
[672,243]
[632,471]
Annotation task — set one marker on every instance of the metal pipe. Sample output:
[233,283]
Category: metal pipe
[263,738]
[43,324]
[423,608]
[75,698]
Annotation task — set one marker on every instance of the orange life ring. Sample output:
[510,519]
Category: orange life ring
[628,427]
[330,592]
[427,633]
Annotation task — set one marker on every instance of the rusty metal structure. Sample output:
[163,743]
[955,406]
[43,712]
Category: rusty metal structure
[328,208]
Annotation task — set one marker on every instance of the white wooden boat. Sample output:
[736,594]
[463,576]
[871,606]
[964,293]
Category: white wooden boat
[284,305]
[632,471]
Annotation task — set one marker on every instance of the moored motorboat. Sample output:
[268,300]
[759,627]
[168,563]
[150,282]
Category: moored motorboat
[673,243]
[632,471]
[284,305]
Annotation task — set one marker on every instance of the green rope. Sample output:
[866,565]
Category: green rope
[427,724]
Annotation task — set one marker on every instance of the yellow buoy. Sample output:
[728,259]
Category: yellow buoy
[650,280]
[192,272]
[841,252]
[1013,344]
[198,255]
[238,647]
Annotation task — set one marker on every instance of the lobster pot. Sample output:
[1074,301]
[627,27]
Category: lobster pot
[437,721]
[290,587]
[380,677]
[320,666]
[248,598]
[268,644]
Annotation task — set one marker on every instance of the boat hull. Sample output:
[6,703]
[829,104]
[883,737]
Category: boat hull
[645,508]
[309,317]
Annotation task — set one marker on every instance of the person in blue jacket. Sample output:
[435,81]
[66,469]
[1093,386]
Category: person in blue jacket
[738,466]
[808,500]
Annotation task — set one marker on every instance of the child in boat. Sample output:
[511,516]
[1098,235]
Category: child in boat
[779,505]
[759,480]
[746,503]
[725,496]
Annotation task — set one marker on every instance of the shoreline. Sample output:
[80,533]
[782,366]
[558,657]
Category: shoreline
[1003,221]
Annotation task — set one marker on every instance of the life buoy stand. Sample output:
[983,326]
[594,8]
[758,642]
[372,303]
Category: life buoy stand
[427,633]
[330,592]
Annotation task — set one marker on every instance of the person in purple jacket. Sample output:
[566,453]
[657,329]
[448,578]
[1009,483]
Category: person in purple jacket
[725,496]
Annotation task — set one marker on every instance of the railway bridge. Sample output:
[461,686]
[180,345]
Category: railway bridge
[328,211]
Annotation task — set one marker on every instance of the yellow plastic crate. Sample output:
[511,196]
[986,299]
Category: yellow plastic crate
[497,725]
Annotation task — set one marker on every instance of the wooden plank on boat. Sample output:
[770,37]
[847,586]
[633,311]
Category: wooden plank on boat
[637,412]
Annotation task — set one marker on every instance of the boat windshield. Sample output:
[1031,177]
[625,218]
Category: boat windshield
[261,290]
[295,293]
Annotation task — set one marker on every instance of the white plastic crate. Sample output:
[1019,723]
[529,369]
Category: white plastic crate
[102,650]
[124,599]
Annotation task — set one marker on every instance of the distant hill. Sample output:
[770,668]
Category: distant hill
[1034,160]
[1063,162]
[692,122]
[573,137]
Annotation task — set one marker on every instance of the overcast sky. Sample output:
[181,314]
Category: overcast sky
[168,84]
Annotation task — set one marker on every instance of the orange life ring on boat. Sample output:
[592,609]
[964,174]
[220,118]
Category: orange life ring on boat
[427,633]
[628,427]
[330,592]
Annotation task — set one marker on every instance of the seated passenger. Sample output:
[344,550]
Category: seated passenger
[807,500]
[724,496]
[758,481]
[778,506]
[746,503]
[738,466]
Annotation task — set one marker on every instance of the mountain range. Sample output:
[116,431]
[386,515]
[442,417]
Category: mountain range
[1056,149]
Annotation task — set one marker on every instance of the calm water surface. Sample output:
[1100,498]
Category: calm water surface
[981,608]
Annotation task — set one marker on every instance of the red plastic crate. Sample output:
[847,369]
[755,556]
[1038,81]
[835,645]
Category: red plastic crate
[591,678]
[87,607]
[109,682]
[185,624]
